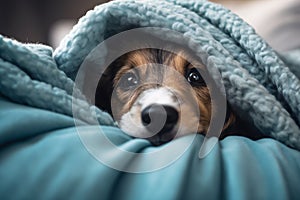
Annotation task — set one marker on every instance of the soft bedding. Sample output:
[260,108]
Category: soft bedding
[42,157]
[56,145]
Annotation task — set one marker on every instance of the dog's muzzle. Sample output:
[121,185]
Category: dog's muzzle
[160,120]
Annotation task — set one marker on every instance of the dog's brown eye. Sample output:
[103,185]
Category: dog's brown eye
[194,77]
[128,81]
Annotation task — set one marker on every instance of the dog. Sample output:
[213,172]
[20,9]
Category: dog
[160,95]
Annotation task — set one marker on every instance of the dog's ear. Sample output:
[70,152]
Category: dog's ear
[229,120]
[104,91]
[105,85]
[234,125]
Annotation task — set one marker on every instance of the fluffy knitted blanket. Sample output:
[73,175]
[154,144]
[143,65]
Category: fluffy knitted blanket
[260,84]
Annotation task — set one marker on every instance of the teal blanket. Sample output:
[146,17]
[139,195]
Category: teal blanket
[43,157]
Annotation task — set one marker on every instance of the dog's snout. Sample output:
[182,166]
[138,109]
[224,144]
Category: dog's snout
[159,118]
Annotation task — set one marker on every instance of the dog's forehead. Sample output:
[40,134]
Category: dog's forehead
[147,58]
[157,63]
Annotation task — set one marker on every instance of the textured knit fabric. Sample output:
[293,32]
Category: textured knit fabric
[258,83]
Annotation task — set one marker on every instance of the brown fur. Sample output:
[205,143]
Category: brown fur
[140,59]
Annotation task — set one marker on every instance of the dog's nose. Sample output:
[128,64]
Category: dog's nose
[159,119]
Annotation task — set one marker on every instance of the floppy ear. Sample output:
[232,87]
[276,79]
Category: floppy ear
[104,91]
[105,85]
[234,125]
[230,119]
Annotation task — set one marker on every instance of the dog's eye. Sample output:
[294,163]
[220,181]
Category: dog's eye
[129,81]
[194,78]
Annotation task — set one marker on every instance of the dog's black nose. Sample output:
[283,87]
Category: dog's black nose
[159,119]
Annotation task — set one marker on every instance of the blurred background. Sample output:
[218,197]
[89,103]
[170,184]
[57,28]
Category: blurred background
[47,21]
[43,21]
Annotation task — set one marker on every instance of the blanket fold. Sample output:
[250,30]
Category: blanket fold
[258,82]
[29,75]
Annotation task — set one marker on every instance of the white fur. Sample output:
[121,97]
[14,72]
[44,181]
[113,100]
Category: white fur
[188,122]
[160,95]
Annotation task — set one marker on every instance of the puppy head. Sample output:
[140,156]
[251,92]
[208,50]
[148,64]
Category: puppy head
[156,94]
